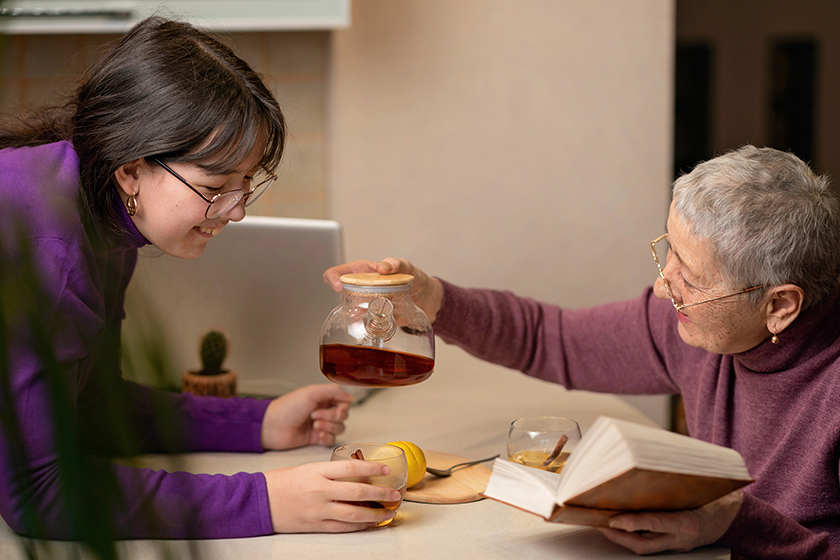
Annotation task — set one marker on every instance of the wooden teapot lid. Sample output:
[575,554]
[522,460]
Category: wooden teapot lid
[374,279]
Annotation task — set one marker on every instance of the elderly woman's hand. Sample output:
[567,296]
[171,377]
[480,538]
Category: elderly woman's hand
[426,290]
[647,533]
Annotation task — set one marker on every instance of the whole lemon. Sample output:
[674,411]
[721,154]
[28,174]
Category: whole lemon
[416,460]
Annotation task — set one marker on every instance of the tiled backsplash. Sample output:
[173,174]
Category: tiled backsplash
[38,69]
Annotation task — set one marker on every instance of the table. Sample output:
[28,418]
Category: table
[464,408]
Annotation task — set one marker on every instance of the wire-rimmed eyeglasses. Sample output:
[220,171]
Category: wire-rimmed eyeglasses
[681,306]
[222,203]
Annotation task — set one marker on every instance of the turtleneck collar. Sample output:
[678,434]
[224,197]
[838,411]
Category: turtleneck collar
[132,237]
[811,332]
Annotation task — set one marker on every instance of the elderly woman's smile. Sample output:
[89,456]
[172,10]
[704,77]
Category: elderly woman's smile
[728,325]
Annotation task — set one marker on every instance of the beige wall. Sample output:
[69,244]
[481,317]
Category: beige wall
[523,145]
[520,144]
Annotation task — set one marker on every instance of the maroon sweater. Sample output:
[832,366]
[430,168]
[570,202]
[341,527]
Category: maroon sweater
[777,404]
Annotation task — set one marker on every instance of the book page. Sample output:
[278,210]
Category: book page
[524,487]
[612,448]
[605,474]
[601,455]
[659,449]
[689,456]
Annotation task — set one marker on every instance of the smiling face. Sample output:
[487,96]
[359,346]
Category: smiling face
[726,326]
[169,214]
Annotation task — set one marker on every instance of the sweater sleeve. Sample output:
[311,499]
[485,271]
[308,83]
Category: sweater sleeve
[761,532]
[146,420]
[613,348]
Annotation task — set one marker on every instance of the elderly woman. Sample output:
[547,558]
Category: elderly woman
[743,322]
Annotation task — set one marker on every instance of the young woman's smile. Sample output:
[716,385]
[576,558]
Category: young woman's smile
[172,202]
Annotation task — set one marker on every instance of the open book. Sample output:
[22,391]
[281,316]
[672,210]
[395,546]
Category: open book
[620,467]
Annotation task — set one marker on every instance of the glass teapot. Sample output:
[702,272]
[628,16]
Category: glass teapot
[377,337]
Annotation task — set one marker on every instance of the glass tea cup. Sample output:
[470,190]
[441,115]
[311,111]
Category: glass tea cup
[390,455]
[542,442]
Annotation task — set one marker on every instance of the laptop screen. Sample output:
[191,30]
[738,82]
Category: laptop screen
[259,281]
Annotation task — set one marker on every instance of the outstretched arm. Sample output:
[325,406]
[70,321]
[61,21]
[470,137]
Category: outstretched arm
[426,290]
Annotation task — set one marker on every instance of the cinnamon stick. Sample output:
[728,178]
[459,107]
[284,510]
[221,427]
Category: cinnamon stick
[358,455]
[557,449]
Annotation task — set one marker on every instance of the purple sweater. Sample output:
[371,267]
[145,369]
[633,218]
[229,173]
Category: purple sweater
[776,404]
[84,290]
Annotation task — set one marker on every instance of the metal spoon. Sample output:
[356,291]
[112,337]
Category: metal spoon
[448,472]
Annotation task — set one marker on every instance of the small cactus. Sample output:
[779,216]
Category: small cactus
[213,350]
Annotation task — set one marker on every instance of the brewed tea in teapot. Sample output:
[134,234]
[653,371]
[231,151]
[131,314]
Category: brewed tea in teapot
[377,337]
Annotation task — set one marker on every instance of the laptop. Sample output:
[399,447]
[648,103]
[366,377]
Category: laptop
[260,282]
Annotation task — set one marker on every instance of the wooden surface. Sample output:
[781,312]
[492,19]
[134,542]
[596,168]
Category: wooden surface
[465,484]
[374,279]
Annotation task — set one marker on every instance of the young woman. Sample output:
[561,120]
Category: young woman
[165,141]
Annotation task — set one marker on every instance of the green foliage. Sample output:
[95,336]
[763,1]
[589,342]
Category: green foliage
[90,490]
[213,351]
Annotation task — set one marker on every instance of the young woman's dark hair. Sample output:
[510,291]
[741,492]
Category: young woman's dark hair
[166,90]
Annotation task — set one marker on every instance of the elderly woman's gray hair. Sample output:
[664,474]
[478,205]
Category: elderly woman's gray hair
[769,218]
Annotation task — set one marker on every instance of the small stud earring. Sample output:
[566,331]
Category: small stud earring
[774,339]
[131,204]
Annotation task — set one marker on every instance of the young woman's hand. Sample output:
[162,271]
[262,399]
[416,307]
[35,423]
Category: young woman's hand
[647,533]
[426,291]
[309,498]
[311,415]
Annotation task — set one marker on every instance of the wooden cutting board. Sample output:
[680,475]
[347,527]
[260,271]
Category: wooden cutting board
[465,484]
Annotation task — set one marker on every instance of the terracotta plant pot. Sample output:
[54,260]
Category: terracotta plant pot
[218,385]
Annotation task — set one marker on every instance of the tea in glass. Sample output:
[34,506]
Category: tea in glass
[390,455]
[540,460]
[543,442]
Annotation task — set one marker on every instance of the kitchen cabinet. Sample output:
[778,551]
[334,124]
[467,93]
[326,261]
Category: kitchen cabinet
[116,16]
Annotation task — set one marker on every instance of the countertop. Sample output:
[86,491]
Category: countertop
[465,408]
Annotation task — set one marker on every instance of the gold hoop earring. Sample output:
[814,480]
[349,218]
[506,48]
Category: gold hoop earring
[131,204]
[774,339]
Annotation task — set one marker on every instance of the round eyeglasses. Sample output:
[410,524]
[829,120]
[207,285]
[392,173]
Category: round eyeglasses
[681,306]
[222,203]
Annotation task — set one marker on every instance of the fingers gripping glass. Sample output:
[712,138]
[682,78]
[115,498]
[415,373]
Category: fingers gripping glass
[222,203]
[681,306]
